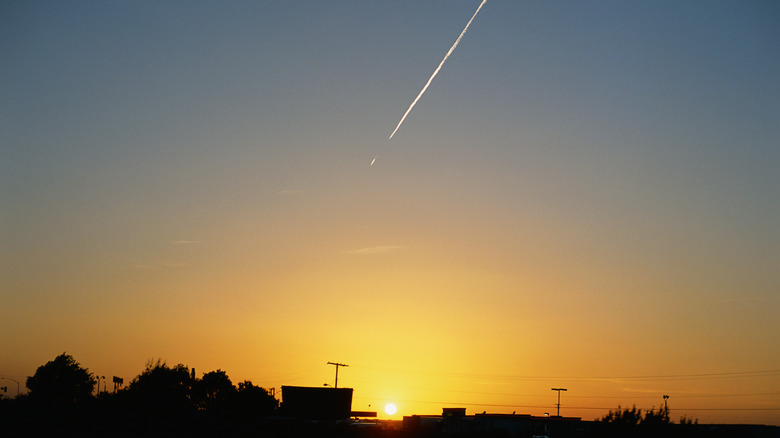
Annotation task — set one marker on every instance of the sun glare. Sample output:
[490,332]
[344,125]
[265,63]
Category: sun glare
[390,409]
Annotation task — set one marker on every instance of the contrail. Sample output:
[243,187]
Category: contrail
[449,52]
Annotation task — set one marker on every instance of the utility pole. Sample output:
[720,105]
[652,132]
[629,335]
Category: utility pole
[336,385]
[559,399]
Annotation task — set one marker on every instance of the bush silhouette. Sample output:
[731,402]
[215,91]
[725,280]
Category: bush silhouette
[162,390]
[61,382]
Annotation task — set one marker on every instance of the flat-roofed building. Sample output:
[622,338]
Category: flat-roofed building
[314,403]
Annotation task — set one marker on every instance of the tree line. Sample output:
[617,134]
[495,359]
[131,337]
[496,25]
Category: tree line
[159,401]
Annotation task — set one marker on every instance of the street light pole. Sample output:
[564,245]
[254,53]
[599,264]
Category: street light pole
[559,399]
[98,383]
[666,407]
[17,384]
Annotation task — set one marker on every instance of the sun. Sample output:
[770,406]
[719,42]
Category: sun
[390,409]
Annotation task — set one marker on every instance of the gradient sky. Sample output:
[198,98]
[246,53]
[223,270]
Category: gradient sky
[587,196]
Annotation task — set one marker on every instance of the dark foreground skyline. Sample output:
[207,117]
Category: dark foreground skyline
[64,398]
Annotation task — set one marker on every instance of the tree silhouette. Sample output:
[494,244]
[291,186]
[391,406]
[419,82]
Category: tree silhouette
[632,422]
[625,417]
[60,382]
[254,400]
[161,389]
[214,391]
[655,418]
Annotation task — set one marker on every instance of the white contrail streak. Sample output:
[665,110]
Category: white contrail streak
[449,52]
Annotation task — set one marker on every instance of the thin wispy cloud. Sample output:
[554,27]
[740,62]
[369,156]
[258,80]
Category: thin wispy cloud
[289,192]
[373,250]
[748,299]
[159,266]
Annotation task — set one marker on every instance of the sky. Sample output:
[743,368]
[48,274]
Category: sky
[585,197]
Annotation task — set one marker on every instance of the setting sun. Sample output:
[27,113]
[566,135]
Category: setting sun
[390,409]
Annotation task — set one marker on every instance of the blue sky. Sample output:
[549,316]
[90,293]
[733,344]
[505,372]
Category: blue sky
[583,172]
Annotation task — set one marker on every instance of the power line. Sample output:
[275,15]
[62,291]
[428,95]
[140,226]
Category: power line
[729,374]
[741,374]
[727,409]
[597,408]
[586,396]
[755,394]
